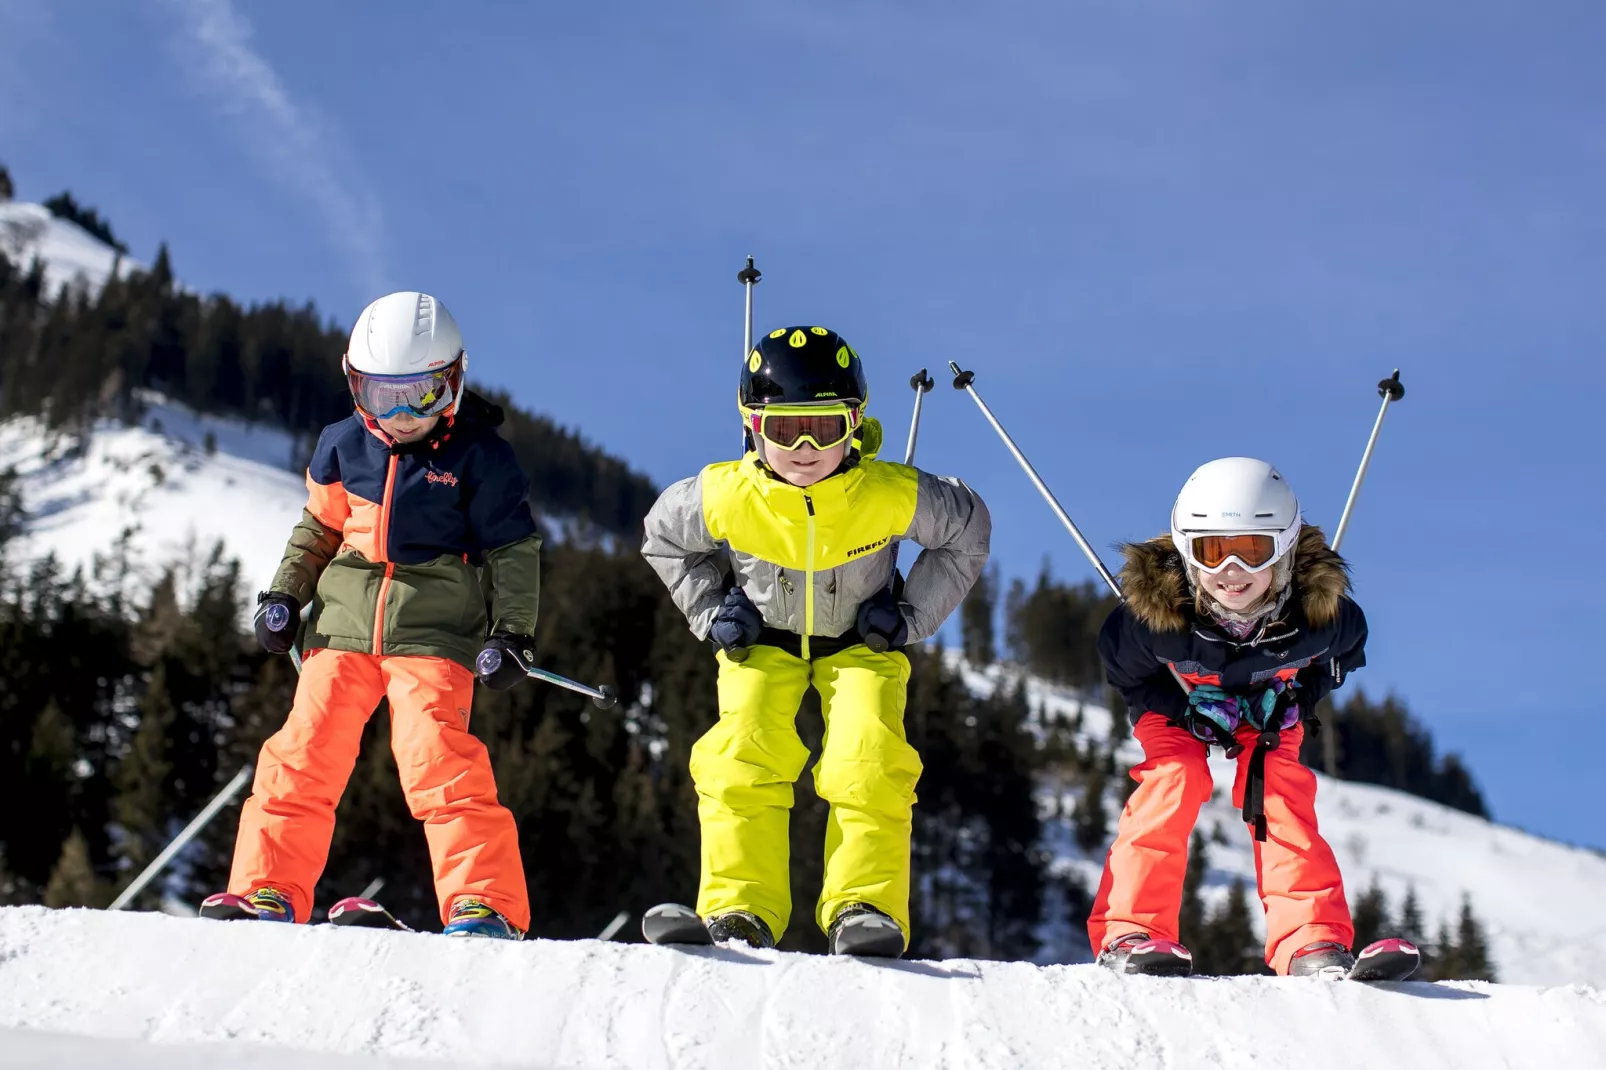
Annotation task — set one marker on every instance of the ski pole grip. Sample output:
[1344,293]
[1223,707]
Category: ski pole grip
[1391,387]
[876,642]
[962,379]
[738,654]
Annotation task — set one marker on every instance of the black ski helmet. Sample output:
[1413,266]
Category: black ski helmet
[799,365]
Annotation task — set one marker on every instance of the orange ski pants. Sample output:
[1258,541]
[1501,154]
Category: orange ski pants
[445,773]
[1295,871]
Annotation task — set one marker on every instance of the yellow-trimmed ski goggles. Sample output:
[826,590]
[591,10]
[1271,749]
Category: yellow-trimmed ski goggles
[786,427]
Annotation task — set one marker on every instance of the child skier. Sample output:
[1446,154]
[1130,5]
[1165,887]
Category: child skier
[784,560]
[1234,626]
[409,499]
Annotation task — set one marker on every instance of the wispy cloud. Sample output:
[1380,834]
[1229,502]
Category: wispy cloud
[288,136]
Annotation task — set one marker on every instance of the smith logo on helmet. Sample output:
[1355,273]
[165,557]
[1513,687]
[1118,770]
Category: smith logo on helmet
[868,547]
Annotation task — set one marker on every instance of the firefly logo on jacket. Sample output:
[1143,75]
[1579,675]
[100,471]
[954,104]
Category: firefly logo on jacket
[441,477]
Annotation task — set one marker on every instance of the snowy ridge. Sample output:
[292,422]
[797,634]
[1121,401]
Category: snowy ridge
[150,981]
[70,254]
[159,485]
[1543,903]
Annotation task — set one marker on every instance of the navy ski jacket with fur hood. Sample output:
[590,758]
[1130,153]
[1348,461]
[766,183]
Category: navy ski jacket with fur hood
[1319,637]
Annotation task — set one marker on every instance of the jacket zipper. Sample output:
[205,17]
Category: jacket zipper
[382,540]
[808,582]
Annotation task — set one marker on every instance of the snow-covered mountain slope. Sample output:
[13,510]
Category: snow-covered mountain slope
[148,981]
[69,253]
[159,484]
[1543,903]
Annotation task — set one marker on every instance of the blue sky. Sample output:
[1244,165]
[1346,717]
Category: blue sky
[1159,232]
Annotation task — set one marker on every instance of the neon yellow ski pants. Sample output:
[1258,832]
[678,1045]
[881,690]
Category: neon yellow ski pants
[744,768]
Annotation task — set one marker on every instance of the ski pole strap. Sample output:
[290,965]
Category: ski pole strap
[1254,812]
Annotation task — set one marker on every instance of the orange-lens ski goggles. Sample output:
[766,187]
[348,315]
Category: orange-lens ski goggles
[787,430]
[1212,551]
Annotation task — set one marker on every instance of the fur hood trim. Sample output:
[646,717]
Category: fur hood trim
[1156,583]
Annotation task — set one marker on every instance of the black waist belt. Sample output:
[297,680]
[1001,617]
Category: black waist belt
[820,646]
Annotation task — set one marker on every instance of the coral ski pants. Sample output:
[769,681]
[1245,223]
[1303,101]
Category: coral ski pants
[1296,873]
[445,772]
[745,765]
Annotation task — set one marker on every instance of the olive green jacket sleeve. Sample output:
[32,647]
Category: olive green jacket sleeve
[513,585]
[311,547]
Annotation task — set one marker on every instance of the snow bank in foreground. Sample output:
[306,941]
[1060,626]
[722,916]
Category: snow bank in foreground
[149,980]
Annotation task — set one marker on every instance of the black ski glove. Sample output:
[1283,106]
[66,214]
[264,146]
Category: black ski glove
[277,619]
[737,624]
[505,660]
[880,615]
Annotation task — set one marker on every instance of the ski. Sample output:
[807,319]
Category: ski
[1385,960]
[365,914]
[672,923]
[1159,958]
[226,907]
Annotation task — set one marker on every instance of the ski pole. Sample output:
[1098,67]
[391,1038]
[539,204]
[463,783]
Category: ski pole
[1390,390]
[749,277]
[921,383]
[603,696]
[965,381]
[193,829]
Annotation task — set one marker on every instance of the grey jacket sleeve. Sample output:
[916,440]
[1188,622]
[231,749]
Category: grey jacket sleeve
[951,522]
[685,555]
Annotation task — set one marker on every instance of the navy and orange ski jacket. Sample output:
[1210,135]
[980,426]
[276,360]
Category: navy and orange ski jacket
[394,539]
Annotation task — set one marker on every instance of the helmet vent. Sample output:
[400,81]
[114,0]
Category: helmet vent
[1260,516]
[1200,516]
[424,318]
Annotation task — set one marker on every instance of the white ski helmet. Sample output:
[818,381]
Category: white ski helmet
[406,355]
[1235,509]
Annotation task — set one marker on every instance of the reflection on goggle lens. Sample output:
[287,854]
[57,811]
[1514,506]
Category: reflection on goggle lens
[429,394]
[1253,550]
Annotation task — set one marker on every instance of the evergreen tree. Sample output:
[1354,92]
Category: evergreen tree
[1231,947]
[142,805]
[1444,961]
[1091,822]
[1371,916]
[1412,926]
[976,619]
[1192,920]
[73,882]
[1472,946]
[7,189]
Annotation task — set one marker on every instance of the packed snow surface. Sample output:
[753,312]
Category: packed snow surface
[245,988]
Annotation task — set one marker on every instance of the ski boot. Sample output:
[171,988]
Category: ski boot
[358,913]
[264,904]
[1137,953]
[1325,959]
[1382,960]
[739,926]
[470,917]
[673,923]
[861,929]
